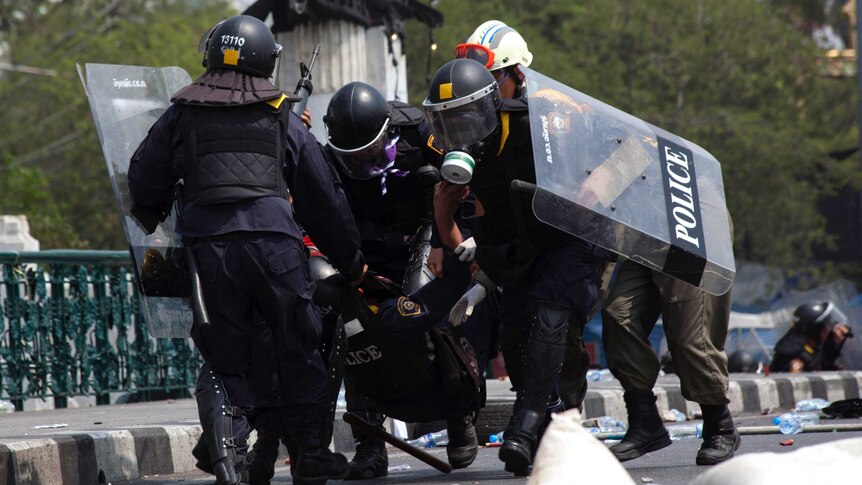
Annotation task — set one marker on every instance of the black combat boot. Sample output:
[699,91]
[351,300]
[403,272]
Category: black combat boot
[264,453]
[463,445]
[517,451]
[509,432]
[315,461]
[720,438]
[371,459]
[646,430]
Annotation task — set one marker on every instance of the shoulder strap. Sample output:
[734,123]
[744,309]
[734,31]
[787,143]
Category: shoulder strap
[276,102]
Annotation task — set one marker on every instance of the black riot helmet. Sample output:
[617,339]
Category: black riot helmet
[462,104]
[358,130]
[241,43]
[811,318]
[742,361]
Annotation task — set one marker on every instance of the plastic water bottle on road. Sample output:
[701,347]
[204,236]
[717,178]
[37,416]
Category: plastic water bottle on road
[430,440]
[496,438]
[792,423]
[685,431]
[596,375]
[815,404]
[609,424]
[677,415]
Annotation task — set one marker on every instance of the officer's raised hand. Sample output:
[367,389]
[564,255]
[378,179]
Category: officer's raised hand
[839,333]
[447,198]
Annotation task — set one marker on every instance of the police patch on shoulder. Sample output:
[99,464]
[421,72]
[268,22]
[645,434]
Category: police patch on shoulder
[407,307]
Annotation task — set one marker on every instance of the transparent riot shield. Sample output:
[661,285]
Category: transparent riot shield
[125,102]
[628,186]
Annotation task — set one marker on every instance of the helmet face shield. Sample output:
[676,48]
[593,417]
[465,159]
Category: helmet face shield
[367,161]
[463,122]
[833,316]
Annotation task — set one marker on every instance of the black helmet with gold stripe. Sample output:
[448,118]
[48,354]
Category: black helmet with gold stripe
[462,104]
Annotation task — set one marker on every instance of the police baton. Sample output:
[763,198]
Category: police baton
[522,186]
[304,87]
[411,450]
[196,299]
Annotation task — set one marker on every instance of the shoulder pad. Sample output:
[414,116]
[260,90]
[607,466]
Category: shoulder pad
[517,104]
[404,114]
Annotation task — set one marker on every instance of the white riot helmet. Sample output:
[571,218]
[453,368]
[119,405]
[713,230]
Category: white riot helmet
[496,45]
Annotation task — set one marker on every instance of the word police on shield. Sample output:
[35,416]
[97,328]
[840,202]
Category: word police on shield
[628,186]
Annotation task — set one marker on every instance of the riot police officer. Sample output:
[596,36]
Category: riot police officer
[814,341]
[231,138]
[549,278]
[502,50]
[389,358]
[388,168]
[695,323]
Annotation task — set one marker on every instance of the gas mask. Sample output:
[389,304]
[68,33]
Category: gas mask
[458,165]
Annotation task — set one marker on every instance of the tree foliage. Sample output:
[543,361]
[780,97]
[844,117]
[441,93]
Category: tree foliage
[54,170]
[738,78]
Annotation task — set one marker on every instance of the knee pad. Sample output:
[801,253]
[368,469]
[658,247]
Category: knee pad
[550,323]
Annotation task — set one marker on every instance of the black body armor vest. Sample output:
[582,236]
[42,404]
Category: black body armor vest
[234,154]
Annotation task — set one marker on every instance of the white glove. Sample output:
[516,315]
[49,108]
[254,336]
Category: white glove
[466,251]
[464,307]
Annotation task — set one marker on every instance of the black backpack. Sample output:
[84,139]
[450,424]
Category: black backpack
[456,361]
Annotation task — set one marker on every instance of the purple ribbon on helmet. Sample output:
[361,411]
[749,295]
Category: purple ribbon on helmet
[390,169]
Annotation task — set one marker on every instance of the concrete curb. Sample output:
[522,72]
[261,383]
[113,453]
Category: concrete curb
[128,454]
[97,457]
[750,395]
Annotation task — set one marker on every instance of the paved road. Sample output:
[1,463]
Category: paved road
[673,465]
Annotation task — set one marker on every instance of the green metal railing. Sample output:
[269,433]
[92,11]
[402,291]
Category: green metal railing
[71,325]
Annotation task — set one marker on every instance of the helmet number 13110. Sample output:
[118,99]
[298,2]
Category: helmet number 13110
[232,40]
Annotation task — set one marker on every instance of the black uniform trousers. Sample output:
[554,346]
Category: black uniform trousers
[268,273]
[566,275]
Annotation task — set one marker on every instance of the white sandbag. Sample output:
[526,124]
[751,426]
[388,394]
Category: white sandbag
[569,454]
[834,463]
